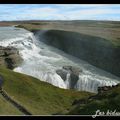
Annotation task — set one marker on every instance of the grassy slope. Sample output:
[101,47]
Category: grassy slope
[109,100]
[6,108]
[36,96]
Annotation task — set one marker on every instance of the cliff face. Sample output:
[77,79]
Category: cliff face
[9,57]
[97,51]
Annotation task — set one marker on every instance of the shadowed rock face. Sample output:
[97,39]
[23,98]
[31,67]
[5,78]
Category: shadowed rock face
[9,63]
[101,92]
[62,73]
[95,50]
[9,57]
[6,51]
[74,75]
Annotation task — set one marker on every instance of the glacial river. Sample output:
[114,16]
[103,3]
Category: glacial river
[42,61]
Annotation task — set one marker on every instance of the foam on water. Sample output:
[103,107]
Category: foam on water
[42,61]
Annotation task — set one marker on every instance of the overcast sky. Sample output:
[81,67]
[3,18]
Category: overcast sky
[59,12]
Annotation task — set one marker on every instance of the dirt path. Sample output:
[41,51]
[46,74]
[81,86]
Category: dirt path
[9,99]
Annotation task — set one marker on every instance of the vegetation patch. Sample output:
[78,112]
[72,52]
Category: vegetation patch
[36,96]
[108,100]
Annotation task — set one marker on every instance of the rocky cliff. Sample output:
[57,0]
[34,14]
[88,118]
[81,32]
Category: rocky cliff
[97,51]
[9,57]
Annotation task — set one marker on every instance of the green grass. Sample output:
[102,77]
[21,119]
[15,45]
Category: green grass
[36,96]
[7,109]
[109,100]
[30,27]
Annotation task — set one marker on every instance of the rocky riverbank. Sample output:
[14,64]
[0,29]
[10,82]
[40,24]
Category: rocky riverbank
[9,57]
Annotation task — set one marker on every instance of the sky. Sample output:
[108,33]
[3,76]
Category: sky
[10,12]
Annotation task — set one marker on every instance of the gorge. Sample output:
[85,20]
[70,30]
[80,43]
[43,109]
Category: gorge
[43,61]
[97,51]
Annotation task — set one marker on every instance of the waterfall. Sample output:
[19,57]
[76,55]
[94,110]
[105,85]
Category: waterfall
[54,79]
[67,81]
[91,83]
[42,61]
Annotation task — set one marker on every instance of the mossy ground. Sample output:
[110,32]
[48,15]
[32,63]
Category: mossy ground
[109,100]
[7,109]
[38,97]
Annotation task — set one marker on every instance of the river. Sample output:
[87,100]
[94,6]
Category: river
[42,61]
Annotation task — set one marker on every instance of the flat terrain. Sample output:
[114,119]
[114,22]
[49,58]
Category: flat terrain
[108,30]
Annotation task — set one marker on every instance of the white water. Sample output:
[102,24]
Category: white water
[42,61]
[67,82]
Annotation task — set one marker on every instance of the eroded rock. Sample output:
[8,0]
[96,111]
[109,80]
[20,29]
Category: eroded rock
[74,74]
[62,73]
[106,88]
[9,57]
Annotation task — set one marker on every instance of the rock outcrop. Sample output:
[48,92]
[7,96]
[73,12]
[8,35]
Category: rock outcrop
[73,74]
[106,88]
[6,51]
[101,92]
[62,73]
[9,57]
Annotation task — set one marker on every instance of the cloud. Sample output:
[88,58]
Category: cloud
[59,11]
[78,14]
[40,13]
[94,12]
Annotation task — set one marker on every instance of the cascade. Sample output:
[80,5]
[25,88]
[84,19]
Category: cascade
[42,61]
